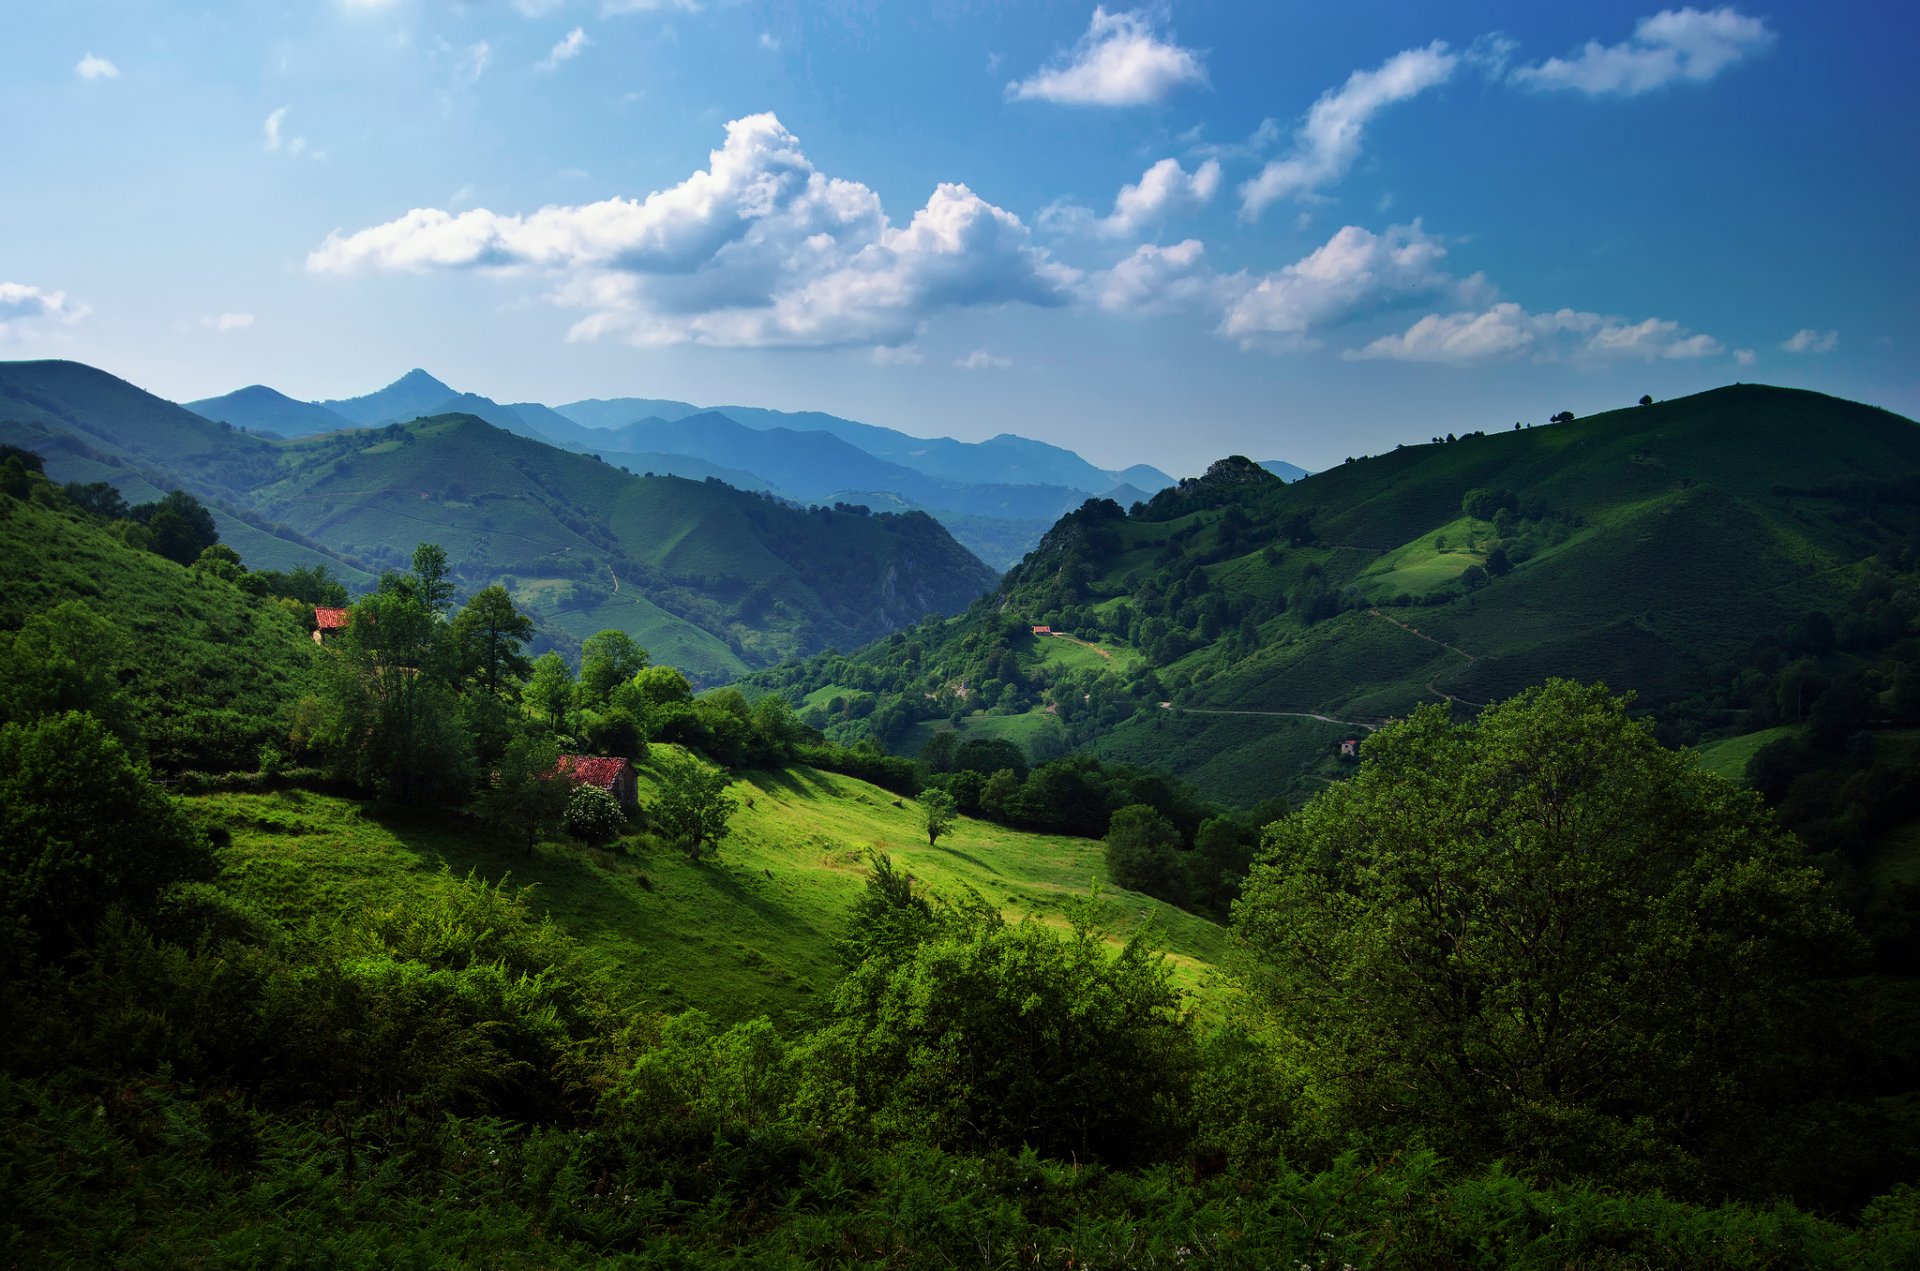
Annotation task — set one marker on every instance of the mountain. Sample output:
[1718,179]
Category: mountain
[1143,476]
[412,395]
[715,579]
[1282,469]
[262,409]
[612,412]
[1668,549]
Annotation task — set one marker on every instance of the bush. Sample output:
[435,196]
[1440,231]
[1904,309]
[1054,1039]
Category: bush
[594,816]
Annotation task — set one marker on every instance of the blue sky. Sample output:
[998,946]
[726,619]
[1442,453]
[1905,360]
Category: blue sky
[1157,234]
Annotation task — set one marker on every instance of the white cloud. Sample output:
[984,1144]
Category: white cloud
[1164,187]
[225,322]
[1351,275]
[565,51]
[1743,357]
[1807,340]
[1155,280]
[1120,61]
[1506,331]
[91,67]
[1672,45]
[613,7]
[472,63]
[981,360]
[30,311]
[759,249]
[1328,140]
[897,355]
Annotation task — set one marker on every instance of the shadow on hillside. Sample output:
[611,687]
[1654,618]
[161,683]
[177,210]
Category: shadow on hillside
[803,783]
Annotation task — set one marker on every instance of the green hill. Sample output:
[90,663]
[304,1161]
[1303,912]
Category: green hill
[747,933]
[716,579]
[1661,549]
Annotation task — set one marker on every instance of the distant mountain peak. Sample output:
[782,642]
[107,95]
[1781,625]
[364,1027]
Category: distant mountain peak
[418,379]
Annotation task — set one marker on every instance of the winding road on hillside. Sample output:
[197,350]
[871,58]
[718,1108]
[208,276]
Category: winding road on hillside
[1325,719]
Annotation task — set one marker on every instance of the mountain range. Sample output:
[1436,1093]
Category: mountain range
[715,579]
[997,496]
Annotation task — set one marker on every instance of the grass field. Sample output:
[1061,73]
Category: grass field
[1728,756]
[747,932]
[1035,732]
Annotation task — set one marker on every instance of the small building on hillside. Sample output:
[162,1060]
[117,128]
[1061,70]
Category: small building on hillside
[1350,748]
[611,774]
[329,622]
[1043,631]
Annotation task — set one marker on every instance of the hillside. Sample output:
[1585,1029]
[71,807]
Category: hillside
[1659,548]
[711,578]
[747,933]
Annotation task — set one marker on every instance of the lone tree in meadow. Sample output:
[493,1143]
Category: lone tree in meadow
[693,805]
[938,808]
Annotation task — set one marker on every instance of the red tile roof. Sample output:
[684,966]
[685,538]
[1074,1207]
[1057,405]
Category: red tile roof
[593,770]
[330,619]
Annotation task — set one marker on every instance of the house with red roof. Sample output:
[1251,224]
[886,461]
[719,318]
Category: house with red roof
[329,622]
[614,775]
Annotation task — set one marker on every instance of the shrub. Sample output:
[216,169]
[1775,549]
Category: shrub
[594,816]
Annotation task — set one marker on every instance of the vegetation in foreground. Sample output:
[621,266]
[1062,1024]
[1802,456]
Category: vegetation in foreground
[1528,991]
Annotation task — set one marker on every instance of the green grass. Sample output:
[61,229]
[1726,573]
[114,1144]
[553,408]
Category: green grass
[747,932]
[1423,566]
[1728,757]
[1023,730]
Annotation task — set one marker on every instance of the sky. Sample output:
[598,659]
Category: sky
[1161,234]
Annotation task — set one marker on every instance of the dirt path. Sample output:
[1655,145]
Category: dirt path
[1415,631]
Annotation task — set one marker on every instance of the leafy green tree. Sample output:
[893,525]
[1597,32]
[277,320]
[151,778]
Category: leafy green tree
[68,658]
[179,526]
[549,691]
[608,659]
[1143,853]
[431,579]
[489,634]
[693,805]
[999,795]
[81,830]
[525,800]
[937,813]
[1542,935]
[390,712]
[968,1033]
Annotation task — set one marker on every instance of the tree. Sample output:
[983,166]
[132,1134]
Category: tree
[1646,399]
[1143,853]
[1544,936]
[693,804]
[81,829]
[180,527]
[593,815]
[549,691]
[608,659]
[938,812]
[431,583]
[526,798]
[488,634]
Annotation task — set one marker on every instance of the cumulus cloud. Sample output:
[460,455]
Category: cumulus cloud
[1353,274]
[225,322]
[92,67]
[758,249]
[981,360]
[1155,280]
[1328,140]
[1807,340]
[27,311]
[565,51]
[1506,331]
[1674,45]
[1120,61]
[1163,188]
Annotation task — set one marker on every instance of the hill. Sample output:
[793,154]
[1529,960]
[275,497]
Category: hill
[258,408]
[714,579]
[1250,625]
[748,932]
[413,394]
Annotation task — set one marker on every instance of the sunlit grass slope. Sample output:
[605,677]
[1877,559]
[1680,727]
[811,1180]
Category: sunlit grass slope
[750,931]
